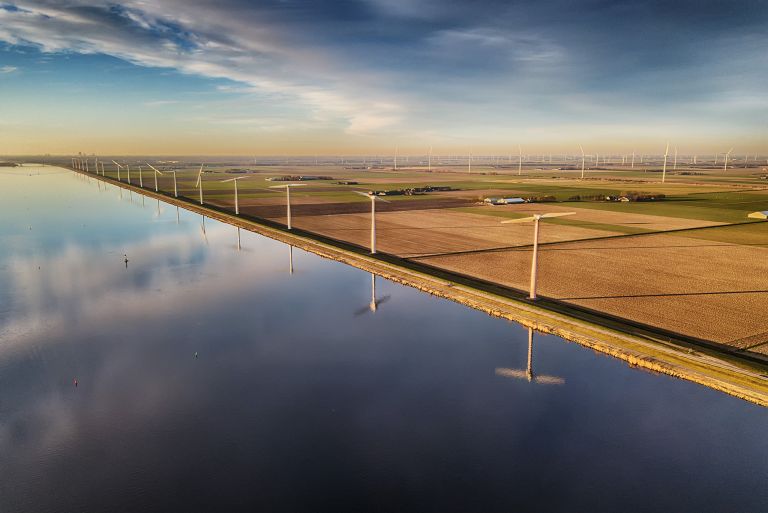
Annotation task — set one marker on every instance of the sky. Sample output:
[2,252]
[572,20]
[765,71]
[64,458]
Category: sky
[306,77]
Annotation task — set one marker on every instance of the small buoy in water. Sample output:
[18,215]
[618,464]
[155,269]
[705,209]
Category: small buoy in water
[195,354]
[75,381]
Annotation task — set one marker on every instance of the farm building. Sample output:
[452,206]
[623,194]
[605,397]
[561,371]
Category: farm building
[503,201]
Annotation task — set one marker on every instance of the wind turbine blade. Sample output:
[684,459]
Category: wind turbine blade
[362,311]
[230,179]
[521,220]
[153,168]
[666,152]
[199,176]
[549,380]
[511,373]
[557,214]
[378,198]
[582,150]
[361,193]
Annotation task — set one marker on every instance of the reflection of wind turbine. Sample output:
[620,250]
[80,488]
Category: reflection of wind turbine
[582,161]
[664,169]
[534,260]
[290,259]
[287,188]
[160,173]
[528,372]
[374,199]
[202,227]
[374,304]
[237,205]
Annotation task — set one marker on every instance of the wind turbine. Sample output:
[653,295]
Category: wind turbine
[374,304]
[237,205]
[664,169]
[141,178]
[287,188]
[633,159]
[520,160]
[373,199]
[725,165]
[118,170]
[583,161]
[199,183]
[160,173]
[429,159]
[674,166]
[128,171]
[395,158]
[528,372]
[469,162]
[534,260]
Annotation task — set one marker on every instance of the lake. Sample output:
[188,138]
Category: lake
[206,375]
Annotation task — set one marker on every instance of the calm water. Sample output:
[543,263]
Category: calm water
[213,379]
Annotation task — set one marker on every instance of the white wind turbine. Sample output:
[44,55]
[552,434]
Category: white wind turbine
[141,178]
[528,372]
[118,170]
[287,188]
[237,204]
[395,158]
[664,169]
[583,158]
[199,183]
[725,165]
[157,172]
[674,166]
[429,159]
[373,199]
[520,160]
[534,259]
[128,172]
[469,162]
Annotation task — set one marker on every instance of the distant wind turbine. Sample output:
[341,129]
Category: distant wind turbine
[199,183]
[664,170]
[534,259]
[118,170]
[373,199]
[520,160]
[583,160]
[287,188]
[725,165]
[237,204]
[674,166]
[157,172]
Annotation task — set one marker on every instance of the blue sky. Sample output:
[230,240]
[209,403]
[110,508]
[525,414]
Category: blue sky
[353,76]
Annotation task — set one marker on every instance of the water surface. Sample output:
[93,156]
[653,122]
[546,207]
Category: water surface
[212,378]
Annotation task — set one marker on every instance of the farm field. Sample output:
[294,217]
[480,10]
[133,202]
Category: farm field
[706,279]
[711,290]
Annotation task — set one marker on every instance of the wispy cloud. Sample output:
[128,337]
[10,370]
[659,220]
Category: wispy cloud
[203,40]
[8,69]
